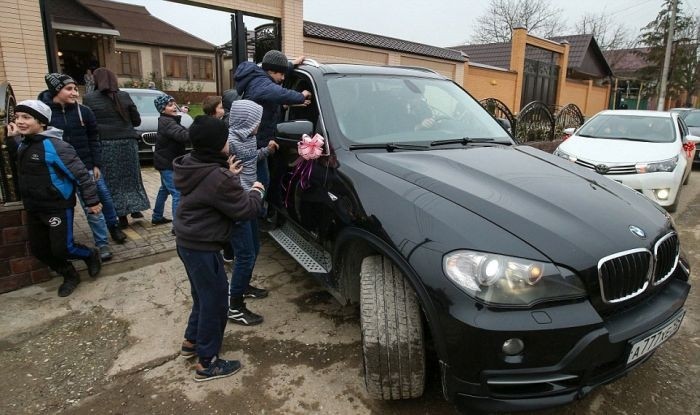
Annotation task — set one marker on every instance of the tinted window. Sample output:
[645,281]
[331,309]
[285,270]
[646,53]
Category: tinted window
[379,109]
[692,119]
[630,127]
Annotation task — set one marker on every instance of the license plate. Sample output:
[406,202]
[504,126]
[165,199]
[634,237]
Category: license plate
[648,344]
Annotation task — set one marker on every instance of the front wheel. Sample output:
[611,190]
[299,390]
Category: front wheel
[392,332]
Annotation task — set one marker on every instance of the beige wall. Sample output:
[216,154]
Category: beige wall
[590,98]
[491,83]
[23,57]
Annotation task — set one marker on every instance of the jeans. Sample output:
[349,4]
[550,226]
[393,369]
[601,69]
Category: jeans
[263,174]
[246,246]
[207,321]
[98,221]
[166,188]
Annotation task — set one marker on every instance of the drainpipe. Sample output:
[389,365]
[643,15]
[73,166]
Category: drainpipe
[49,38]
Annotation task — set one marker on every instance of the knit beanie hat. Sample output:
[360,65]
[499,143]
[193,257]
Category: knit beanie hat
[275,61]
[56,81]
[161,101]
[36,109]
[208,134]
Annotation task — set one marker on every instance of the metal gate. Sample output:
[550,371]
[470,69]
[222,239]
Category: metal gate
[499,110]
[266,39]
[540,76]
[8,167]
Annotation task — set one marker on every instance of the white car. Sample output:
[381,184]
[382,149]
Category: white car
[643,150]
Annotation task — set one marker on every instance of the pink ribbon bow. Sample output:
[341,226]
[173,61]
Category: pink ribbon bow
[310,148]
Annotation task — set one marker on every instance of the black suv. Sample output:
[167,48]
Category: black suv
[533,279]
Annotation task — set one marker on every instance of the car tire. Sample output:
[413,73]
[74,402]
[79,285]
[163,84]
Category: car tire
[392,332]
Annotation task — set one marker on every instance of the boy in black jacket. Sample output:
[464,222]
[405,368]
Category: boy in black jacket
[212,199]
[171,142]
[49,171]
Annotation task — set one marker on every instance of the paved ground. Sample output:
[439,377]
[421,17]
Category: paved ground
[111,348]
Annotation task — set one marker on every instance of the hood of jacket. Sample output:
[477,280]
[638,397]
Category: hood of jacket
[244,117]
[245,73]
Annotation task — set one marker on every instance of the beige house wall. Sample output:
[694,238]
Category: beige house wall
[590,98]
[491,83]
[333,52]
[23,57]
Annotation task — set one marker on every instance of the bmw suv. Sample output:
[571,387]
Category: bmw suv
[533,279]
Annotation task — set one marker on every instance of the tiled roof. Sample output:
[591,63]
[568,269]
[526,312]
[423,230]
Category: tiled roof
[578,45]
[627,61]
[493,54]
[70,12]
[136,24]
[338,34]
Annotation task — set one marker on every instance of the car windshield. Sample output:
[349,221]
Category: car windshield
[144,102]
[692,119]
[383,109]
[629,127]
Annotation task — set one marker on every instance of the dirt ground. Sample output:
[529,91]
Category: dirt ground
[111,348]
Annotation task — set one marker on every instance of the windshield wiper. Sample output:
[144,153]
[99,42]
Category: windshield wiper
[463,141]
[389,146]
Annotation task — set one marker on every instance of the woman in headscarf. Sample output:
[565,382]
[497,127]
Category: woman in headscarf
[116,117]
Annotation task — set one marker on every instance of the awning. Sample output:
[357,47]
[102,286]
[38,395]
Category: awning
[64,27]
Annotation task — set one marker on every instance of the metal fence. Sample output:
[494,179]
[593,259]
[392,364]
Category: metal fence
[8,166]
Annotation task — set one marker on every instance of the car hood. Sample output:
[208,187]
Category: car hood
[600,150]
[568,213]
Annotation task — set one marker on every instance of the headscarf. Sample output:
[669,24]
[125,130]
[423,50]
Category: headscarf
[106,82]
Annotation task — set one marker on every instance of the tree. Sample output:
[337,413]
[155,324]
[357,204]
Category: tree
[496,25]
[609,34]
[683,72]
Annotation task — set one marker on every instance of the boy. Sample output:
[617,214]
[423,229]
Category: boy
[171,142]
[212,199]
[80,130]
[244,120]
[49,172]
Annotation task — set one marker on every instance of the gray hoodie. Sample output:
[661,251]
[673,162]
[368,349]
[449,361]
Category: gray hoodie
[243,120]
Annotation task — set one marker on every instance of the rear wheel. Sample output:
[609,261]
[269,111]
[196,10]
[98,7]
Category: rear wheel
[392,332]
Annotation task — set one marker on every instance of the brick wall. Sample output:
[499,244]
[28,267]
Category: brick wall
[18,268]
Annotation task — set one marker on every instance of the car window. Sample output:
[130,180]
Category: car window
[630,127]
[692,119]
[682,127]
[379,109]
[144,103]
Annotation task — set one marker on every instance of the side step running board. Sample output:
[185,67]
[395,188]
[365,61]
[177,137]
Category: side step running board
[308,256]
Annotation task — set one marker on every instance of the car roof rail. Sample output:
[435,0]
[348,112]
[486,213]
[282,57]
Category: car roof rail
[419,68]
[311,62]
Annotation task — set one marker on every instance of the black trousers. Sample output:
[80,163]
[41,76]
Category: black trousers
[51,239]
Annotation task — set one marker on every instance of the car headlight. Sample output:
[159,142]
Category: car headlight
[666,166]
[503,280]
[564,155]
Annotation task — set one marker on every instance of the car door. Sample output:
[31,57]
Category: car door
[689,155]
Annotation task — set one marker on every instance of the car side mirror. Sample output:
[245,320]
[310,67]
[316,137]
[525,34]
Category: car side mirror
[293,130]
[569,131]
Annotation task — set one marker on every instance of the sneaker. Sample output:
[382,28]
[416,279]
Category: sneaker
[123,222]
[137,215]
[105,253]
[93,262]
[117,234]
[188,349]
[241,315]
[218,368]
[254,292]
[67,287]
[160,221]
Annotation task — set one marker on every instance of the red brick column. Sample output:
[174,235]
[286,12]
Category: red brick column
[18,268]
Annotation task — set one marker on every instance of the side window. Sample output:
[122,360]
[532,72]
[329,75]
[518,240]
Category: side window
[683,128]
[299,82]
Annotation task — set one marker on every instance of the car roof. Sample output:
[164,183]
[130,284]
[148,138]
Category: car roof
[142,91]
[356,69]
[637,113]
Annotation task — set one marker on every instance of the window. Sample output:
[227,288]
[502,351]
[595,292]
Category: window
[202,68]
[129,64]
[175,66]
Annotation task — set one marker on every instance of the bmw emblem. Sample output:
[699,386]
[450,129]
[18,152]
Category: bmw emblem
[638,231]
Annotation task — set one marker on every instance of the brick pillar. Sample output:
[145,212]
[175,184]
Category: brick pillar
[293,28]
[518,42]
[563,69]
[18,268]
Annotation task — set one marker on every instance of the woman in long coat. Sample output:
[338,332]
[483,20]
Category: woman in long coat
[116,117]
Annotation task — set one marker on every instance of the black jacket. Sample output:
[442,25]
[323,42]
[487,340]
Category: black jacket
[49,172]
[79,129]
[171,142]
[211,199]
[110,124]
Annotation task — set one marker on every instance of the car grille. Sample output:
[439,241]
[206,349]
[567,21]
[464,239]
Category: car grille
[627,274]
[611,170]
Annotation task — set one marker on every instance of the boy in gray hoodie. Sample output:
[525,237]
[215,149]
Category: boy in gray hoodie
[244,120]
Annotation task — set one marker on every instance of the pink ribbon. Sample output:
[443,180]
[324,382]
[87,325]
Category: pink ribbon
[309,149]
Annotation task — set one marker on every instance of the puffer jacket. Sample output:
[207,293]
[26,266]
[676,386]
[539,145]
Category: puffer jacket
[211,199]
[109,122]
[79,129]
[171,142]
[49,172]
[253,83]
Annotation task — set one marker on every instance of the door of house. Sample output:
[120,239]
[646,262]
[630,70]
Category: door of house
[540,77]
